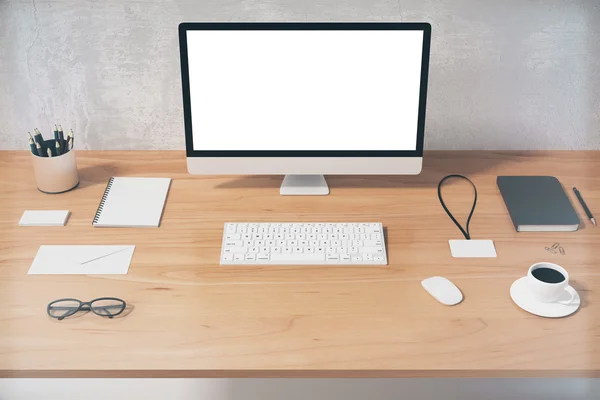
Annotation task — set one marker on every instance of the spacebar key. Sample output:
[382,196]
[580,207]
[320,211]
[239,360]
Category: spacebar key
[301,258]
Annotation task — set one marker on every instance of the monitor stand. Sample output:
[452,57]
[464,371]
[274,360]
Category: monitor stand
[304,185]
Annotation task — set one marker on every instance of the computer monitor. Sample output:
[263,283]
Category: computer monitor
[304,99]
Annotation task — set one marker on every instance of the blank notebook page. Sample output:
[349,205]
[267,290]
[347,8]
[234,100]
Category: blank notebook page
[132,202]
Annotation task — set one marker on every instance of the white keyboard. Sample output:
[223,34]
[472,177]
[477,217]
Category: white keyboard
[303,244]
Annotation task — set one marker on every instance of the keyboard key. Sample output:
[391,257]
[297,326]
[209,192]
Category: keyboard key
[228,257]
[374,250]
[233,243]
[345,257]
[231,228]
[298,250]
[297,257]
[333,257]
[262,257]
[233,236]
[371,243]
[234,250]
[238,257]
[250,257]
[379,258]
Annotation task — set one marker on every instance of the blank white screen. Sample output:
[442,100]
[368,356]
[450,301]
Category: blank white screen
[304,90]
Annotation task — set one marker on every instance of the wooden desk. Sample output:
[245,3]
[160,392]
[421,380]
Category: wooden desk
[194,318]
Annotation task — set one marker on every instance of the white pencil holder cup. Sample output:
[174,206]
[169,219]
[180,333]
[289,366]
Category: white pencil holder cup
[56,174]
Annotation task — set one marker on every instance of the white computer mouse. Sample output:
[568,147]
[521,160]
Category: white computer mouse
[442,290]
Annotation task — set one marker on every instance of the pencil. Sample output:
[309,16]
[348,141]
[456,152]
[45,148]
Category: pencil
[70,143]
[72,136]
[49,152]
[37,136]
[39,149]
[63,143]
[585,207]
[57,150]
[32,145]
[55,132]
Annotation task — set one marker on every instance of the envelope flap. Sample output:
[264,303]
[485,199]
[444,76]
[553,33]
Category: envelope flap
[83,254]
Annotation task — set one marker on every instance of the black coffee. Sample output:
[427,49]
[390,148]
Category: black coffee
[548,275]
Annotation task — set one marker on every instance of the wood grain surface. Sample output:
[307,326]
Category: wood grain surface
[191,317]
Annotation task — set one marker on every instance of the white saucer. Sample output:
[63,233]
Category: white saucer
[522,296]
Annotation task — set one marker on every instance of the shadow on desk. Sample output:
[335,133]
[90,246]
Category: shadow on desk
[435,167]
[96,174]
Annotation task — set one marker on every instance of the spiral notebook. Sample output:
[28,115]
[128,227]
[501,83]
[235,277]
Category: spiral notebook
[132,203]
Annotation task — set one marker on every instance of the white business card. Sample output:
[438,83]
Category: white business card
[44,218]
[472,248]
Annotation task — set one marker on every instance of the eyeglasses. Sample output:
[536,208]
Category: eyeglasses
[103,306]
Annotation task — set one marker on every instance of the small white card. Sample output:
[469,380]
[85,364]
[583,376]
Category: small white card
[44,218]
[472,248]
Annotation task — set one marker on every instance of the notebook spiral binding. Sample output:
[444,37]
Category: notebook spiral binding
[104,197]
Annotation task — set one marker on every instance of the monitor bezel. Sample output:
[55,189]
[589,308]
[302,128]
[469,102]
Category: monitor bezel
[404,26]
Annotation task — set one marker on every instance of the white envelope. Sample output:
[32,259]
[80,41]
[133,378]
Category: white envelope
[82,260]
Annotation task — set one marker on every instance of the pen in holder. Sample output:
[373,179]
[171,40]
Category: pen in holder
[56,174]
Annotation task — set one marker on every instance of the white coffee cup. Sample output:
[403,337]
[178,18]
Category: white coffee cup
[551,292]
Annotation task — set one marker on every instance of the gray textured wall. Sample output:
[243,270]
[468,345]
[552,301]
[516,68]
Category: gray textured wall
[505,74]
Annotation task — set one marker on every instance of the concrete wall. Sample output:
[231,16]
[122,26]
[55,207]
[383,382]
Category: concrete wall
[510,74]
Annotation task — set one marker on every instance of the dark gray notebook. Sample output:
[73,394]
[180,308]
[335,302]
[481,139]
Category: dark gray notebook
[537,204]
